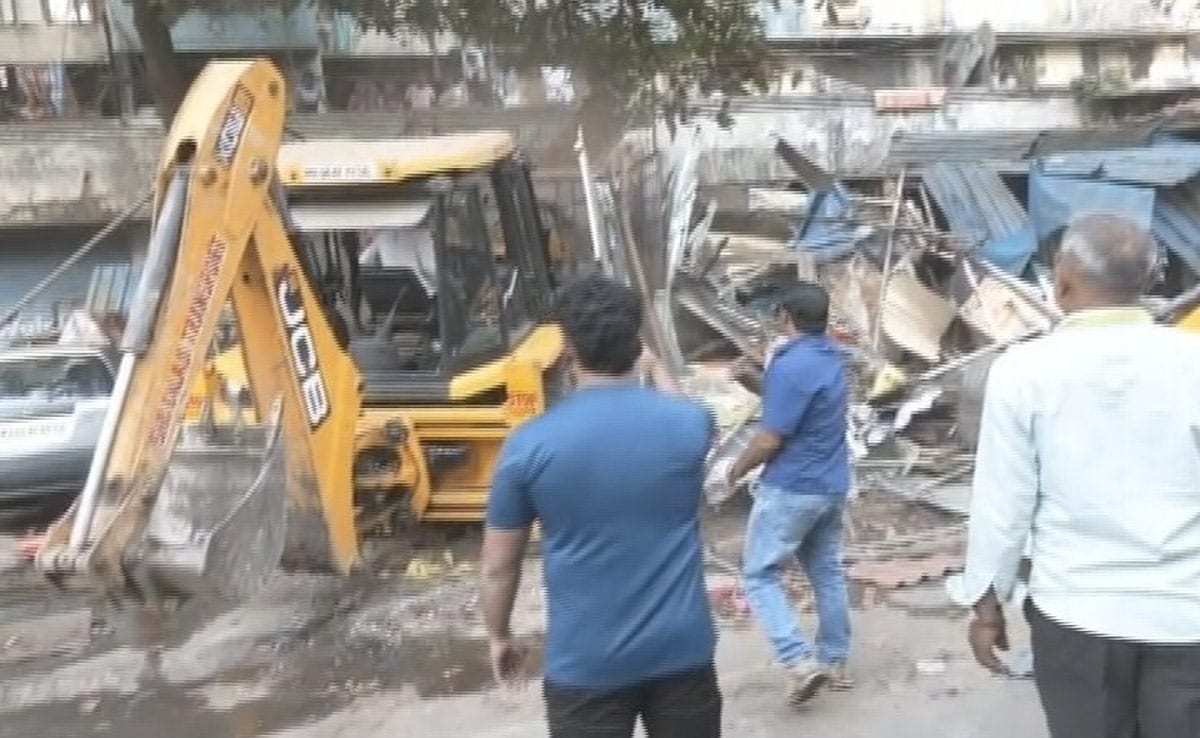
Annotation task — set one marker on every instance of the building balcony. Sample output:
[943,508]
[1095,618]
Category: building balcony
[52,44]
[50,31]
[848,21]
[86,170]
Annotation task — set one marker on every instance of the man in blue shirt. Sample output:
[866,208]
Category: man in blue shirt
[614,475]
[801,496]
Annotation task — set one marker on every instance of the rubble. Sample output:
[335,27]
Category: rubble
[928,281]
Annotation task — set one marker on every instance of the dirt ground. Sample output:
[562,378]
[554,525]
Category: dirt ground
[400,652]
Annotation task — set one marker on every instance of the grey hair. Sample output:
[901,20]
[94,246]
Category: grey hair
[1111,253]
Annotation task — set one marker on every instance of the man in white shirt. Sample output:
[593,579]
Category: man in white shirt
[1089,459]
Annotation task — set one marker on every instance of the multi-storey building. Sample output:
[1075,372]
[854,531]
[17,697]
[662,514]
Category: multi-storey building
[854,74]
[77,133]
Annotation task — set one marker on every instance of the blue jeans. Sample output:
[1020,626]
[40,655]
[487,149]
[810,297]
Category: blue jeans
[784,524]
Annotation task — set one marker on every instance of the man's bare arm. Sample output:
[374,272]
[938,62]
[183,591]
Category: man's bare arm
[989,609]
[761,449]
[503,551]
[655,373]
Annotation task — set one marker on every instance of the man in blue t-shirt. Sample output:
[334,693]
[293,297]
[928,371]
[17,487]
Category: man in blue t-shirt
[614,474]
[798,508]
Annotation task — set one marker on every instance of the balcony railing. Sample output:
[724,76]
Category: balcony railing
[46,12]
[795,20]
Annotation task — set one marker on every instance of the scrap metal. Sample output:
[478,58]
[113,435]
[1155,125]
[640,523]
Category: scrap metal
[926,289]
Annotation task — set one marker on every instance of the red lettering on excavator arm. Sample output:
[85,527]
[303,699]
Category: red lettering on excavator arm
[228,132]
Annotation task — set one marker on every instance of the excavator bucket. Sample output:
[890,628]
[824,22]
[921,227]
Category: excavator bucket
[173,508]
[219,523]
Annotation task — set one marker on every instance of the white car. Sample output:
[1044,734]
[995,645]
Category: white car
[52,405]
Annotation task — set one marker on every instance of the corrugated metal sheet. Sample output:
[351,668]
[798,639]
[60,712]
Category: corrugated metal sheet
[1090,139]
[975,200]
[923,147]
[1176,223]
[977,204]
[1158,166]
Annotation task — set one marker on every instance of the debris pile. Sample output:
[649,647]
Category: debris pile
[930,275]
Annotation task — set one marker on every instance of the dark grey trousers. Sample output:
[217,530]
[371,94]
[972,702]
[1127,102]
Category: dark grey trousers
[1096,687]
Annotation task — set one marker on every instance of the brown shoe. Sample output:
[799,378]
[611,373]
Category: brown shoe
[805,680]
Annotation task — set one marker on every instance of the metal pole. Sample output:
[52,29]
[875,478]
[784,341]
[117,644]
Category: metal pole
[887,261]
[599,250]
[143,312]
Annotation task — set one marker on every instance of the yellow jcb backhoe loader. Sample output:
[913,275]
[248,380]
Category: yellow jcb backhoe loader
[391,340]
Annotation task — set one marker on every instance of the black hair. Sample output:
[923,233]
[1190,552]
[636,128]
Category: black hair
[807,306]
[602,321]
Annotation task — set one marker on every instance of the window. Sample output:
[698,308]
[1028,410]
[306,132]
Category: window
[45,12]
[515,300]
[68,11]
[469,294]
[46,379]
[527,283]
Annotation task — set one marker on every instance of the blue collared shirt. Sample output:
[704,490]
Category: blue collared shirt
[1089,460]
[805,396]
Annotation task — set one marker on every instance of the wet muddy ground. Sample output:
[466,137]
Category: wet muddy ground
[399,651]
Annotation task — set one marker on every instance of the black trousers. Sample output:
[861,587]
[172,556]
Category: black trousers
[685,705]
[1097,687]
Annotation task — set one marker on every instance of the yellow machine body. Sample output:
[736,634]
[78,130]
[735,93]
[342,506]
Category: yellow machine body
[363,445]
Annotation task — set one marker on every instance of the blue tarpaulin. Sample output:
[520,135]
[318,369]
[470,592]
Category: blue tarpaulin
[1055,201]
[1012,252]
[1165,165]
[829,232]
[1177,223]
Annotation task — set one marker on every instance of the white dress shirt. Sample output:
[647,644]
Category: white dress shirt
[1089,458]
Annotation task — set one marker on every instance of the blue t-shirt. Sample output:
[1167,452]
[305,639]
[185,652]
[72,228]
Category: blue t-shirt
[615,476]
[805,396]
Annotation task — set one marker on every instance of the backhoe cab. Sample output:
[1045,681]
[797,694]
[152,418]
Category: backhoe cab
[390,301]
[431,265]
[429,254]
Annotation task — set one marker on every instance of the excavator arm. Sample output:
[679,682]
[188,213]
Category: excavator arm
[170,508]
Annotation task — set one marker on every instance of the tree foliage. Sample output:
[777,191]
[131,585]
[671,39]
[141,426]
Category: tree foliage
[620,45]
[642,51]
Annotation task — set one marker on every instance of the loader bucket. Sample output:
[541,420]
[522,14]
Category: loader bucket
[219,523]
